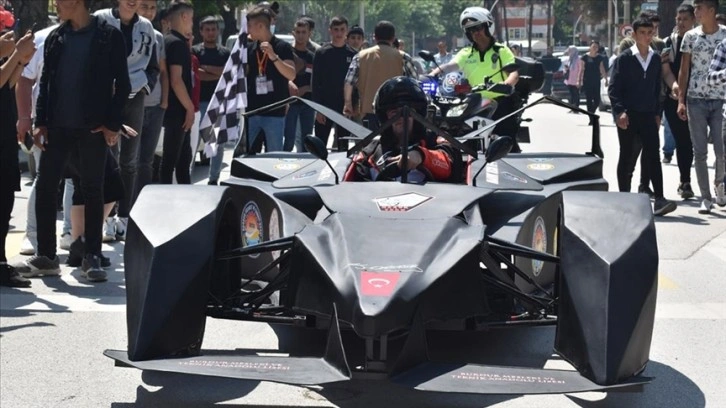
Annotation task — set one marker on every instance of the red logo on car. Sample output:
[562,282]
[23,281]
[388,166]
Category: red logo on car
[378,283]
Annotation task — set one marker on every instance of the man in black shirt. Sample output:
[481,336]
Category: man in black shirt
[634,91]
[270,66]
[298,111]
[330,66]
[179,115]
[212,58]
[671,57]
[83,90]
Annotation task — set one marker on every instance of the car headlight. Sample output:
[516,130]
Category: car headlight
[456,111]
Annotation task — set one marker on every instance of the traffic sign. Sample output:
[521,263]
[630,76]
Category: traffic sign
[626,30]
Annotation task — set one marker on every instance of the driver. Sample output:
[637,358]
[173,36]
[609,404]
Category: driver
[428,158]
[485,58]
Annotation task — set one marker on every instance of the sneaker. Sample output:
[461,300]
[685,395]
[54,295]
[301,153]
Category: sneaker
[720,196]
[91,269]
[661,206]
[109,230]
[706,206]
[78,251]
[28,246]
[39,265]
[121,225]
[667,158]
[685,191]
[646,190]
[10,277]
[66,241]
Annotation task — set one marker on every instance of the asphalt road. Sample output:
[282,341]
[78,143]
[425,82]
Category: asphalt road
[53,335]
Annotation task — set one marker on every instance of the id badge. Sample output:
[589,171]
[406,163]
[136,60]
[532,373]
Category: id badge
[261,85]
[270,88]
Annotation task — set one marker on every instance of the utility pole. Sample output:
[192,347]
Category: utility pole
[549,23]
[610,26]
[362,16]
[626,12]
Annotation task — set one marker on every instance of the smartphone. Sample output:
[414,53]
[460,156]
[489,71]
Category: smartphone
[35,28]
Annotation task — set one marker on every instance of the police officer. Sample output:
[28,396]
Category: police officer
[486,58]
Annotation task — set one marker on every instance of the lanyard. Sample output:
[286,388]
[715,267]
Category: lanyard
[261,62]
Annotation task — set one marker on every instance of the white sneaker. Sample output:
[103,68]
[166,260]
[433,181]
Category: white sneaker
[66,241]
[28,246]
[109,230]
[706,206]
[720,196]
[121,225]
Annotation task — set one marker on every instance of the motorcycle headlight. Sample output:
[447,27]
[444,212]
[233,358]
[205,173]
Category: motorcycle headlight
[456,111]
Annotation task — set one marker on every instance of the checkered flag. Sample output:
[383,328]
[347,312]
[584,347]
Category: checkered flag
[221,121]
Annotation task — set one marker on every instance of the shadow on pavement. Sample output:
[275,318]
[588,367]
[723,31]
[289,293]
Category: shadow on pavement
[670,388]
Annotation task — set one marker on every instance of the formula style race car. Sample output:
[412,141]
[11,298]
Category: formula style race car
[373,271]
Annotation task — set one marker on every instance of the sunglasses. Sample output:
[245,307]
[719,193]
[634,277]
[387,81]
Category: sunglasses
[476,28]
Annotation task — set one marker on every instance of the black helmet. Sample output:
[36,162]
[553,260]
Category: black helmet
[398,92]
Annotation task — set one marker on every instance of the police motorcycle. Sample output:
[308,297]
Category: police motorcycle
[457,107]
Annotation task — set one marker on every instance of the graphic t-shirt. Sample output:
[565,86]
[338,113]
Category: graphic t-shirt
[701,47]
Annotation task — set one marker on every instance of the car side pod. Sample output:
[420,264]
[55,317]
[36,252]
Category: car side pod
[169,259]
[609,277]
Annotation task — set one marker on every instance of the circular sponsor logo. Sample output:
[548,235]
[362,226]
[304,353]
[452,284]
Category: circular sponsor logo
[252,232]
[379,282]
[540,166]
[275,230]
[539,243]
[287,166]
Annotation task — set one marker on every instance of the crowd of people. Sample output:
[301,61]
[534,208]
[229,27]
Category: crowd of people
[681,82]
[94,92]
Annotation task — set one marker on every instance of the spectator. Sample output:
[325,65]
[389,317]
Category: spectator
[657,44]
[369,69]
[516,50]
[298,112]
[635,95]
[12,58]
[704,100]
[443,56]
[717,77]
[356,36]
[79,116]
[188,155]
[672,57]
[212,58]
[270,66]
[26,94]
[179,116]
[155,105]
[311,24]
[573,71]
[330,66]
[721,18]
[140,38]
[593,70]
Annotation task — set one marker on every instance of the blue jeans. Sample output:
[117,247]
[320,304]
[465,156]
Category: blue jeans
[706,118]
[669,142]
[273,126]
[149,139]
[306,116]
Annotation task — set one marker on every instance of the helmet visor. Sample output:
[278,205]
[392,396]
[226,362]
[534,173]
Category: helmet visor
[476,28]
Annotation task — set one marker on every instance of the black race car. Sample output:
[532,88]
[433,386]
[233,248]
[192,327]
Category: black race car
[374,270]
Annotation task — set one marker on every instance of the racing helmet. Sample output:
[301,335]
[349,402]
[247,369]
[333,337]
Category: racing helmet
[475,16]
[398,92]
